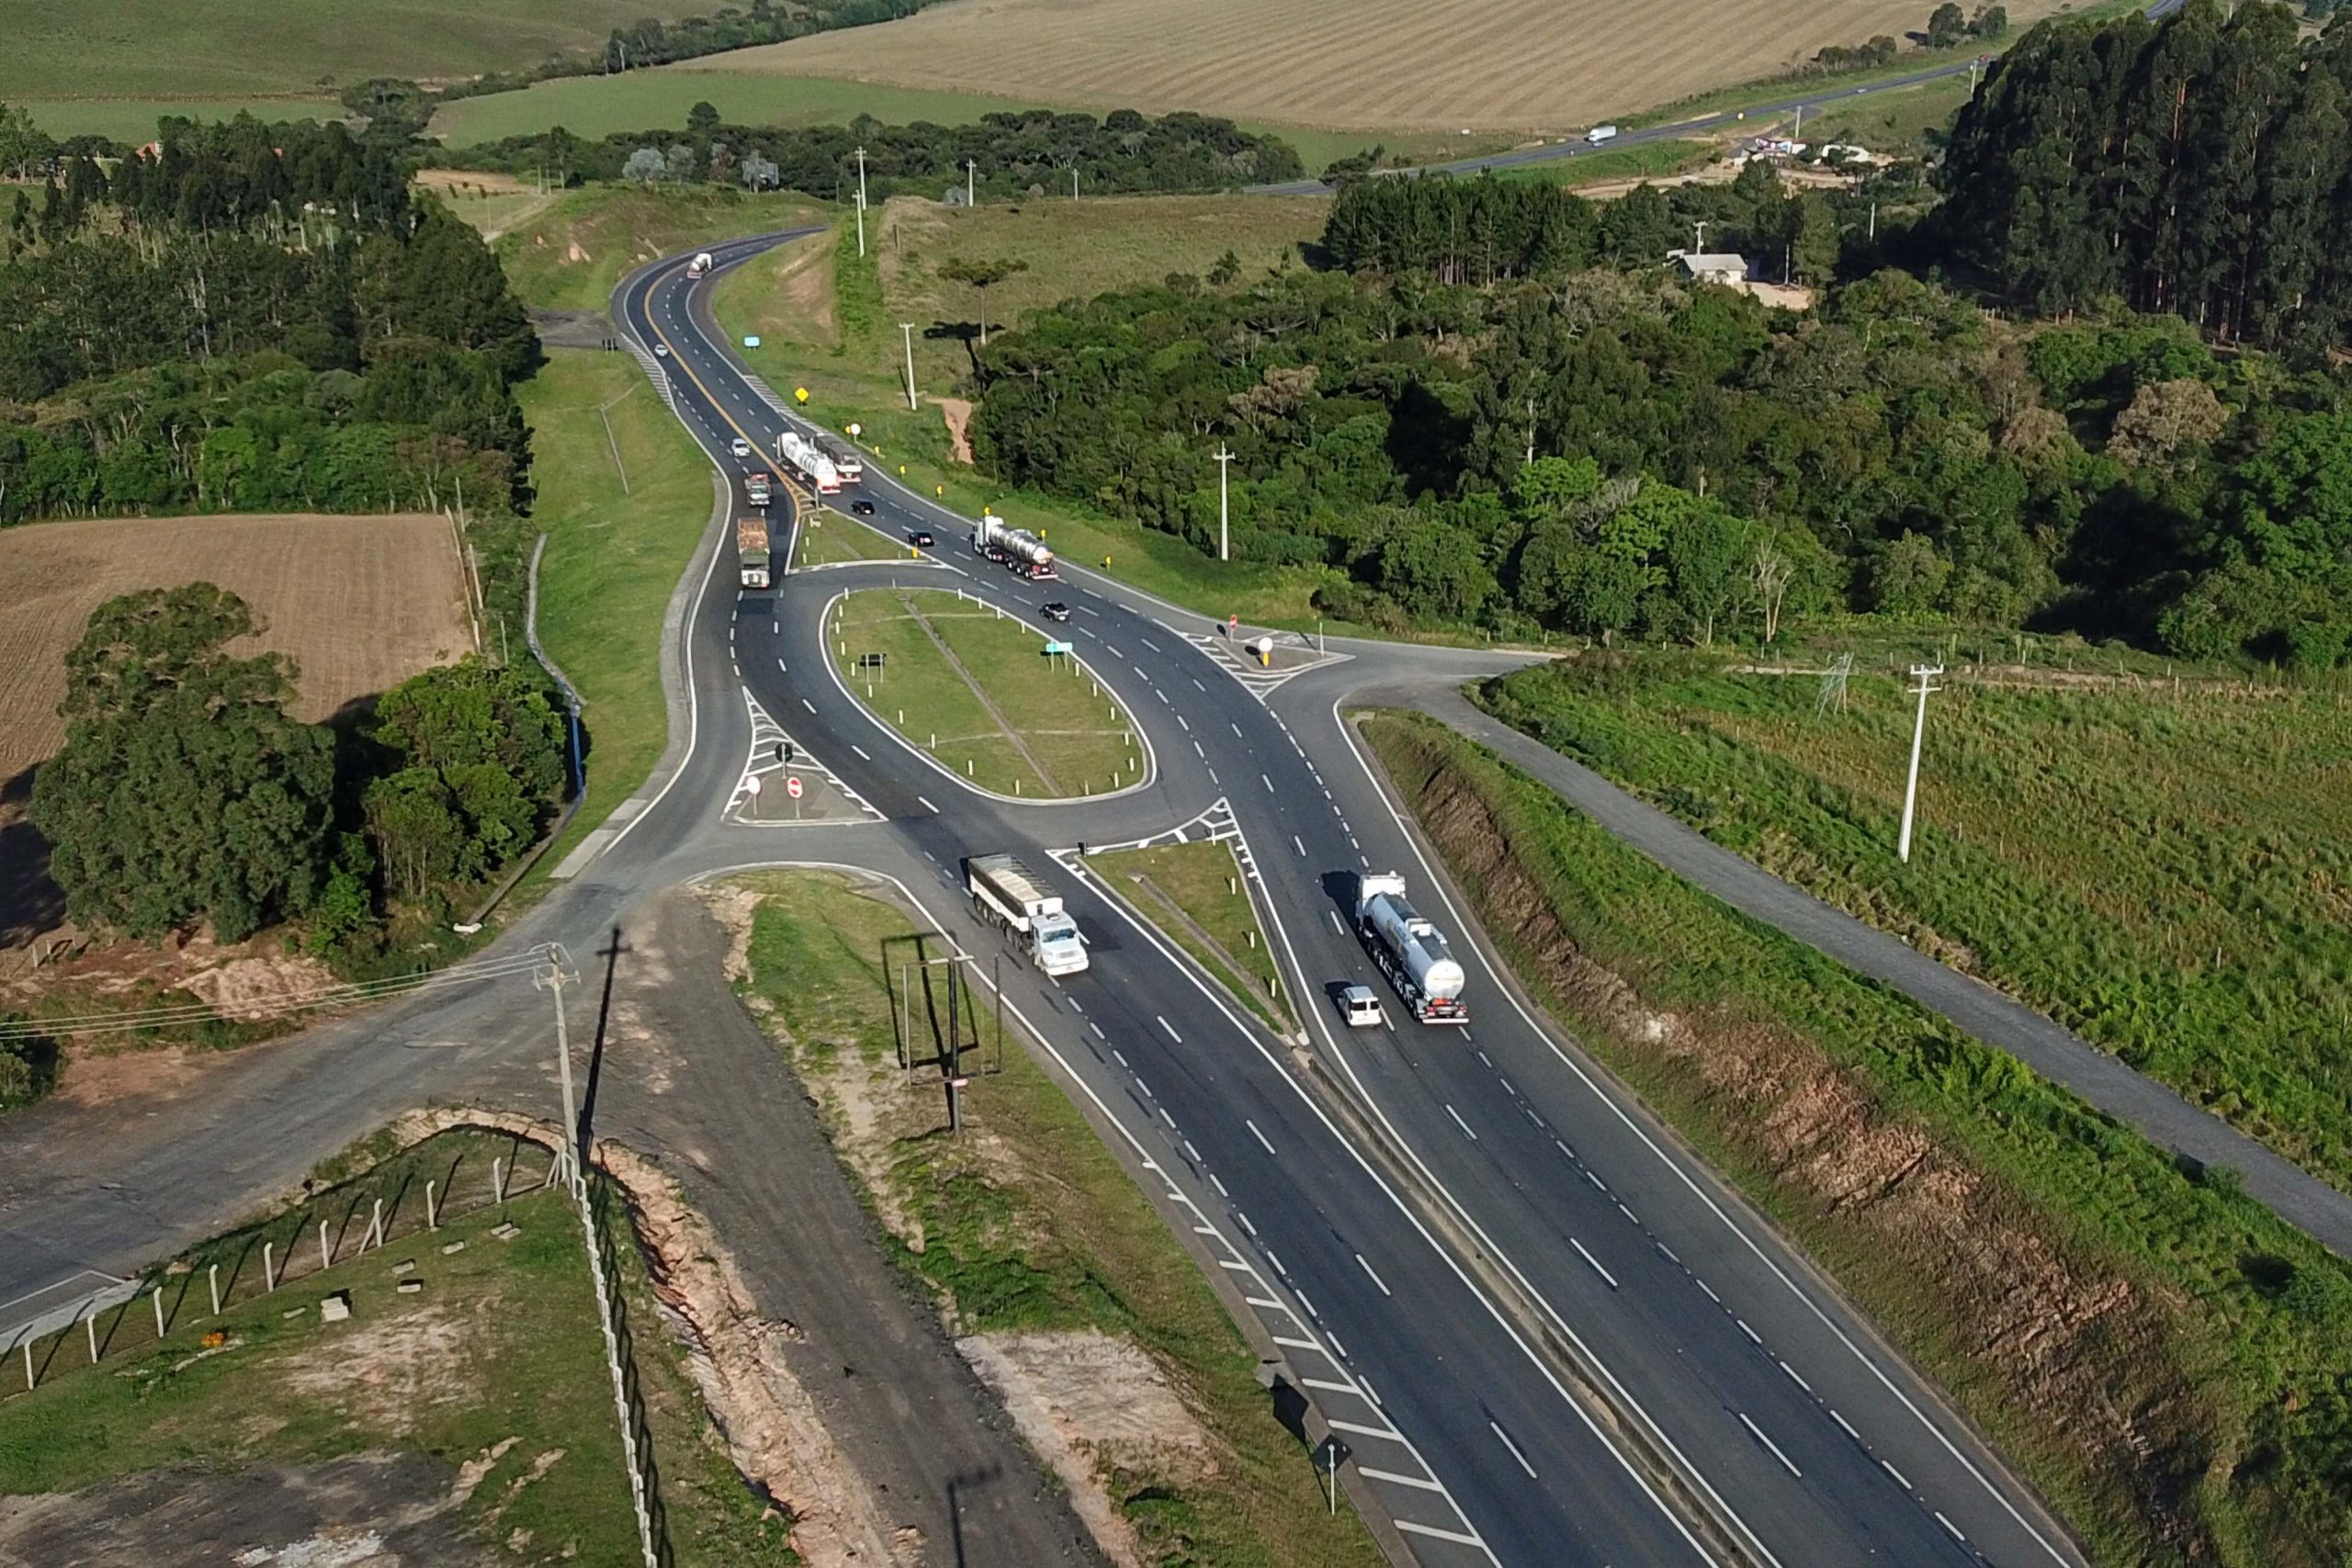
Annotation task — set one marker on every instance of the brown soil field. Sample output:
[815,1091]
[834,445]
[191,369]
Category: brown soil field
[1531,66]
[360,604]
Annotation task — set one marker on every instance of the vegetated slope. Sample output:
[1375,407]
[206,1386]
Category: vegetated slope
[2163,1358]
[120,48]
[361,603]
[2169,872]
[1490,64]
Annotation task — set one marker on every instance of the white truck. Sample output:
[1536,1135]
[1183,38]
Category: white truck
[807,459]
[1411,951]
[1016,549]
[1600,133]
[700,266]
[1008,895]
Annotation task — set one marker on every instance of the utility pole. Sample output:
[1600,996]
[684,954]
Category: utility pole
[1073,181]
[1800,130]
[861,201]
[907,332]
[553,979]
[1925,674]
[1698,246]
[967,183]
[1224,467]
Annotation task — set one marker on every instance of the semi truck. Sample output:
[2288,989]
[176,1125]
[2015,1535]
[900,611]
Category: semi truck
[700,266]
[1409,950]
[805,457]
[1008,895]
[848,461]
[756,489]
[1015,549]
[1600,133]
[752,550]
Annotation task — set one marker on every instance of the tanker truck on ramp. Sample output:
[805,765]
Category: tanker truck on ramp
[1016,549]
[752,551]
[1008,895]
[1411,951]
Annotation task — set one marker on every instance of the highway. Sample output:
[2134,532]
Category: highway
[1548,1334]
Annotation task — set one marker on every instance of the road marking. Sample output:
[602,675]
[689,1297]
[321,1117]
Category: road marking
[1795,1378]
[1849,1426]
[1235,727]
[809,705]
[1627,1212]
[1223,1193]
[1145,1087]
[1098,1032]
[1375,1279]
[1393,1479]
[1749,1332]
[1900,1479]
[1709,1288]
[1437,1534]
[1256,1134]
[1267,782]
[1496,1429]
[1188,729]
[1563,1149]
[1117,1057]
[1204,756]
[1299,844]
[1190,1152]
[1769,1443]
[1588,1258]
[1245,1221]
[1172,1030]
[1167,1118]
[1196,685]
[861,753]
[1335,924]
[1460,1123]
[1953,1528]
[1389,1433]
[1152,644]
[927,805]
[1212,773]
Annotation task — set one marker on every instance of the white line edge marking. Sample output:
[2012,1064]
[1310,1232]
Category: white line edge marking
[1769,1444]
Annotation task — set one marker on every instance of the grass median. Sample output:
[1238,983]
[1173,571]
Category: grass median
[477,1408]
[1042,1254]
[977,690]
[2144,1341]
[1196,894]
[829,539]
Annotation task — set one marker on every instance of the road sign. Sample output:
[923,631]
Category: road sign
[855,430]
[1330,1455]
[799,394]
[751,785]
[1053,647]
[751,340]
[792,787]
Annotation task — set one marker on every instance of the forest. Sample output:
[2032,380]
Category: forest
[1012,153]
[253,318]
[1559,445]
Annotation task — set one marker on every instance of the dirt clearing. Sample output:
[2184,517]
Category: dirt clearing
[361,603]
[1498,65]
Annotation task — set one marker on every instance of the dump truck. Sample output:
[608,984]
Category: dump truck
[752,550]
[1015,549]
[1008,895]
[1409,950]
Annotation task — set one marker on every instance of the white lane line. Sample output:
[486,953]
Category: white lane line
[1796,1377]
[1627,1212]
[809,705]
[1204,756]
[1180,719]
[1256,1134]
[1709,1288]
[1145,1087]
[1759,1339]
[1172,1030]
[779,664]
[1900,1479]
[1117,1057]
[1849,1426]
[1953,1528]
[1267,782]
[1460,1123]
[1235,727]
[1496,1429]
[1376,1278]
[1388,1433]
[1588,1258]
[1167,1118]
[1300,845]
[1335,924]
[863,755]
[1098,1030]
[1244,1219]
[927,805]
[1769,1444]
[1196,685]
[1436,1534]
[1223,1193]
[1308,1302]
[1419,1483]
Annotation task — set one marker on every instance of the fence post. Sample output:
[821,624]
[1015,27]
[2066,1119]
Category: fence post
[497,1179]
[158,1299]
[90,1327]
[326,1259]
[268,1268]
[29,1366]
[213,1277]
[432,1214]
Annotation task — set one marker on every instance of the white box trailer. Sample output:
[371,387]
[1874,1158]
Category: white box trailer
[1011,896]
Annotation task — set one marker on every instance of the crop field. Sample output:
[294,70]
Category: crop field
[360,603]
[2166,871]
[1520,66]
[977,691]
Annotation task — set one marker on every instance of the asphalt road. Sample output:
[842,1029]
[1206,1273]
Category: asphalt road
[1608,1271]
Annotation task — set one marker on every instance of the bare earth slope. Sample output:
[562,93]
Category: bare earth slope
[1508,66]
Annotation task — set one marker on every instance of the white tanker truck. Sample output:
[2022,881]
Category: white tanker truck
[1016,549]
[1409,950]
[806,459]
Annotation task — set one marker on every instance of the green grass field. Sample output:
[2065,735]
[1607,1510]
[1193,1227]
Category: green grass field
[1644,160]
[828,537]
[1211,917]
[613,556]
[570,253]
[2166,873]
[216,50]
[2146,1345]
[977,691]
[497,1361]
[132,119]
[1027,1223]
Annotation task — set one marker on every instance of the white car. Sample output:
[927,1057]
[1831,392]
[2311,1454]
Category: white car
[1361,1008]
[661,351]
[741,448]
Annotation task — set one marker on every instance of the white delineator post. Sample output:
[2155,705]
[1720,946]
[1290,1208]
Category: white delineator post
[1224,467]
[861,201]
[1925,674]
[907,332]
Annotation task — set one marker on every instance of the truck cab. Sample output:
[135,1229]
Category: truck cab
[756,489]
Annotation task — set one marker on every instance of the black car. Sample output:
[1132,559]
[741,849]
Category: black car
[863,508]
[1054,610]
[921,539]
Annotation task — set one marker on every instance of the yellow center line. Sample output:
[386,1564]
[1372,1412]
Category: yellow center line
[792,491]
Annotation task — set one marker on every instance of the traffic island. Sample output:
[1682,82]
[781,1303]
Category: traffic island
[1196,896]
[987,697]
